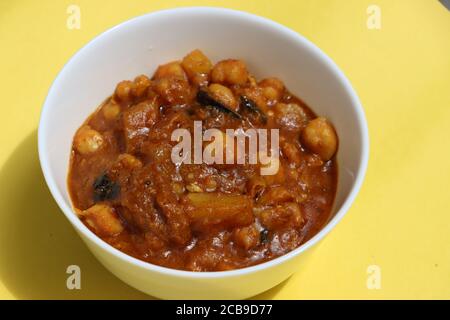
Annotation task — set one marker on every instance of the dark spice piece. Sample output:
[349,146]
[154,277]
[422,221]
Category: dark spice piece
[248,104]
[264,236]
[205,99]
[105,188]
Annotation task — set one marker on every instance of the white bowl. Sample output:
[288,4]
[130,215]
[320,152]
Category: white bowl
[139,46]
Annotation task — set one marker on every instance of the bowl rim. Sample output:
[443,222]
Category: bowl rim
[81,228]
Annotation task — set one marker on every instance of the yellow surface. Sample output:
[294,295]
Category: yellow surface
[399,222]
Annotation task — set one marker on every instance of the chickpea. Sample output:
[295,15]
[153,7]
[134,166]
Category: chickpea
[194,187]
[223,95]
[141,85]
[129,161]
[178,187]
[273,88]
[230,72]
[88,140]
[103,219]
[124,90]
[247,237]
[320,137]
[170,70]
[270,94]
[252,81]
[211,184]
[111,110]
[197,67]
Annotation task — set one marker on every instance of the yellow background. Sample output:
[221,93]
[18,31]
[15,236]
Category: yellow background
[400,220]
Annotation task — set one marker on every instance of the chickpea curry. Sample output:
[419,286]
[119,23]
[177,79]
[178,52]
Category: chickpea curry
[201,217]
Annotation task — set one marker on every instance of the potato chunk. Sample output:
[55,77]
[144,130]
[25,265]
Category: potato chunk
[87,140]
[103,219]
[197,67]
[218,210]
[230,72]
[173,90]
[247,237]
[170,70]
[320,137]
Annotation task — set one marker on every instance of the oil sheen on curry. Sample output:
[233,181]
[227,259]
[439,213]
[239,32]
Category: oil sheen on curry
[201,217]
